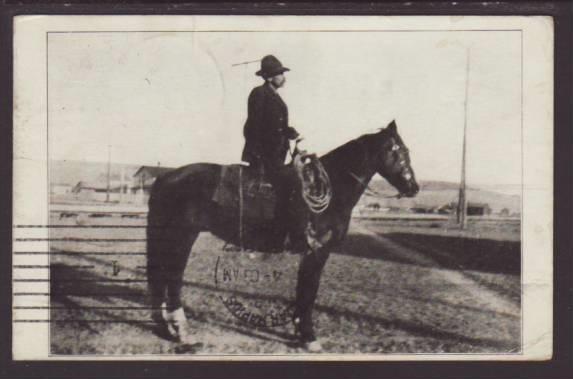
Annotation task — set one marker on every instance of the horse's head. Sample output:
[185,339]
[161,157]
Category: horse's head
[393,162]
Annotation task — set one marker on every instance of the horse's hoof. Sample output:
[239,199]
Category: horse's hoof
[313,347]
[186,338]
[177,324]
[188,348]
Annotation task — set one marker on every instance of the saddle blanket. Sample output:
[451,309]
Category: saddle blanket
[242,187]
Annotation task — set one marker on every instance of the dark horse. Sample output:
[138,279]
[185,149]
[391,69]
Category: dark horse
[181,206]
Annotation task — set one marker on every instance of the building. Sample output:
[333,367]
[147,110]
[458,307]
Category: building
[60,188]
[422,209]
[473,209]
[478,209]
[145,176]
[505,212]
[98,191]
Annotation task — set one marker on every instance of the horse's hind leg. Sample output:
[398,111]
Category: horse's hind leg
[174,268]
[156,278]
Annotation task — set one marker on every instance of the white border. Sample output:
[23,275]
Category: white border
[30,151]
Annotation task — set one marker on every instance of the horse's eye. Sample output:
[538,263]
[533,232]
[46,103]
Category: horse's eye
[395,147]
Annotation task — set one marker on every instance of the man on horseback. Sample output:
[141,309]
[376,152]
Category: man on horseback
[267,136]
[266,130]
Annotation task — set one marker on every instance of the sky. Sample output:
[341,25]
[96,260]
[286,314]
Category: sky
[176,98]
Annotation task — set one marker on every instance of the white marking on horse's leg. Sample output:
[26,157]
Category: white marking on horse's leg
[313,347]
[164,311]
[168,317]
[178,326]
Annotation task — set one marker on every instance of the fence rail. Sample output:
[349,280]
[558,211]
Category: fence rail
[141,211]
[95,209]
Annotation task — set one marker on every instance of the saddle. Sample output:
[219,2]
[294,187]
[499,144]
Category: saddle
[245,194]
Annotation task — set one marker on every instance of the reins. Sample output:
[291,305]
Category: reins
[367,187]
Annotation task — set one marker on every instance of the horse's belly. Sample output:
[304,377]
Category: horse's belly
[255,229]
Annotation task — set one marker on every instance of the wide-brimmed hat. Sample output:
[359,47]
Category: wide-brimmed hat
[271,66]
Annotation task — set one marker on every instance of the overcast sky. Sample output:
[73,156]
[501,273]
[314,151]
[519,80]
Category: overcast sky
[175,98]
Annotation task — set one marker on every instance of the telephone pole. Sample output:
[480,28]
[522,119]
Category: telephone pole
[108,173]
[462,200]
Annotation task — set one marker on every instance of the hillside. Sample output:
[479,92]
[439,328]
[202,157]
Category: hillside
[380,184]
[71,172]
[438,193]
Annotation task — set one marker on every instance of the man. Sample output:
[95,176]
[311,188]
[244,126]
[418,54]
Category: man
[267,136]
[266,130]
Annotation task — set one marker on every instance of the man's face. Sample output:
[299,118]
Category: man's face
[277,81]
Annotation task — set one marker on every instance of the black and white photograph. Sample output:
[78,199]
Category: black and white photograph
[285,187]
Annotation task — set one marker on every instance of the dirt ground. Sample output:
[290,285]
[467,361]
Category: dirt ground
[392,287]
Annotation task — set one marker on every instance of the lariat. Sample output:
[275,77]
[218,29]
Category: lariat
[315,183]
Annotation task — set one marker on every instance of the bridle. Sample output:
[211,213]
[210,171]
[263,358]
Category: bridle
[404,171]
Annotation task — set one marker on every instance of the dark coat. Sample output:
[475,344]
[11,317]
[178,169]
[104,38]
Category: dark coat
[266,130]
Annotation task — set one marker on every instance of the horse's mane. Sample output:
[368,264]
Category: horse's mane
[353,148]
[348,147]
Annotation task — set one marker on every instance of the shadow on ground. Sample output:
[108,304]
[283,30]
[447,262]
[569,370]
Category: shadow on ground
[456,253]
[77,284]
[72,288]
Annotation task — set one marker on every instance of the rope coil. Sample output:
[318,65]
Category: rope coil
[315,183]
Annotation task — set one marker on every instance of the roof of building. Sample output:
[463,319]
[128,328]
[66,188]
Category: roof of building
[98,186]
[153,171]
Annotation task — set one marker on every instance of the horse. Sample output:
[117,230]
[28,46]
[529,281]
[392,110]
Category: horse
[181,206]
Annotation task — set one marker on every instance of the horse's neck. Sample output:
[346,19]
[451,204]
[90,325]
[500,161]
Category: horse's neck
[349,177]
[355,185]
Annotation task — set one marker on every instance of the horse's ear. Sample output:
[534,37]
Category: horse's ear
[392,126]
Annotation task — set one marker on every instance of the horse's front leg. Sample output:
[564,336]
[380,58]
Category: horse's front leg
[309,272]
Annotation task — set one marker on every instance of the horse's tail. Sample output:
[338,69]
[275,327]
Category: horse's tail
[157,226]
[169,229]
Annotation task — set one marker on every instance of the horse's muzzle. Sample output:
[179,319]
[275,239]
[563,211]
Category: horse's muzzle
[411,192]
